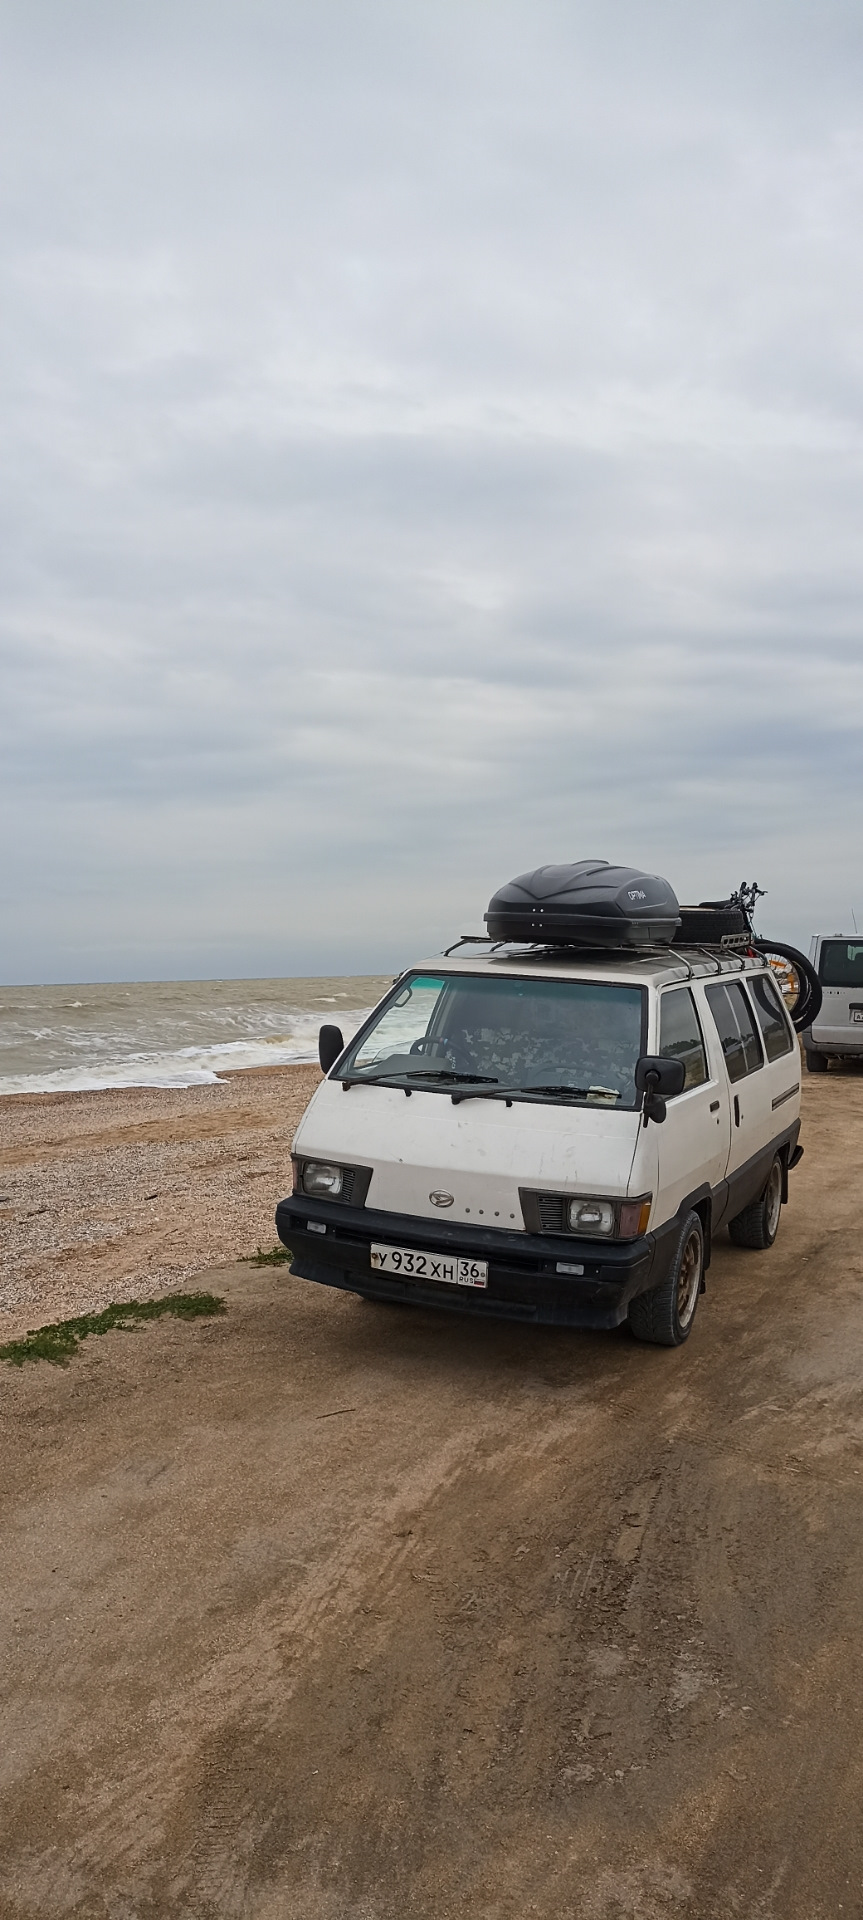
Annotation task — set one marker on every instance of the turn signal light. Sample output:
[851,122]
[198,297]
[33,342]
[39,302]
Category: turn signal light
[634,1216]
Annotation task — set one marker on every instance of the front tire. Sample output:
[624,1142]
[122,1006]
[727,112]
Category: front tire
[758,1224]
[664,1316]
[815,1062]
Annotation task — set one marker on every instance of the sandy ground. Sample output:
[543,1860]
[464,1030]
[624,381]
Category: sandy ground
[328,1611]
[113,1194]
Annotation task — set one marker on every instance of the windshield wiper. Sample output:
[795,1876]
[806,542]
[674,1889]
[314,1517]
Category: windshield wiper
[574,1093]
[552,1090]
[445,1075]
[557,1086]
[449,1073]
[488,1088]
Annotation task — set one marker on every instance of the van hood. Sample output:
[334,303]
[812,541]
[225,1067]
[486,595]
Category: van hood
[480,1152]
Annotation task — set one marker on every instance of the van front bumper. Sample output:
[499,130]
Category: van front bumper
[523,1281]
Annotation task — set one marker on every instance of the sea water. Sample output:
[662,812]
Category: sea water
[169,1033]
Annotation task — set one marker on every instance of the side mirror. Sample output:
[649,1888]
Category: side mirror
[659,1077]
[330,1045]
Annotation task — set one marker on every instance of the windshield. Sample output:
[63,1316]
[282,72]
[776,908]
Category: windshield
[572,1038]
[841,963]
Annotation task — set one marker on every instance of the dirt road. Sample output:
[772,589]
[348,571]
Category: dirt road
[326,1611]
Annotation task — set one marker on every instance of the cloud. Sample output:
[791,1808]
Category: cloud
[433,446]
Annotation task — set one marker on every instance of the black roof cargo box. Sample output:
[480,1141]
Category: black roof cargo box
[587,904]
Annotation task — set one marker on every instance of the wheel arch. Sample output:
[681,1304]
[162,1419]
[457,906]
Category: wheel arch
[700,1201]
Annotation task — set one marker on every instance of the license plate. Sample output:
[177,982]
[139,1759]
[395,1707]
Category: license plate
[451,1268]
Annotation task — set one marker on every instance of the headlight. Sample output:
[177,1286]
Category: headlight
[591,1216]
[593,1219]
[318,1177]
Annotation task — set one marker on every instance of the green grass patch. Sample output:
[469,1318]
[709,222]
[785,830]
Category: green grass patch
[60,1341]
[278,1256]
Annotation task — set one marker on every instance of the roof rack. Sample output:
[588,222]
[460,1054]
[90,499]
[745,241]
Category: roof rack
[473,940]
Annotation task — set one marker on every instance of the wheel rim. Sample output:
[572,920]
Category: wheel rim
[773,1198]
[788,981]
[689,1279]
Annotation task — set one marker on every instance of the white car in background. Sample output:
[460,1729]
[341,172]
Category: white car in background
[837,1032]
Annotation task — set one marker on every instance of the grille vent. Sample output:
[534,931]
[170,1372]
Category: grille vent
[349,1175]
[552,1212]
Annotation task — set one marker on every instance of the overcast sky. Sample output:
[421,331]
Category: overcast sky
[431,447]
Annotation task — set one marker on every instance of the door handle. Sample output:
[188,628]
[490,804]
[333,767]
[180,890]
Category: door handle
[714,1106]
[736,1111]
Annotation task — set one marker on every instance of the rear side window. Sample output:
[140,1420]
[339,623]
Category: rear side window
[735,1025]
[840,963]
[771,1017]
[680,1035]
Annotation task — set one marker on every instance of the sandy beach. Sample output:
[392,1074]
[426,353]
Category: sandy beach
[321,1609]
[127,1192]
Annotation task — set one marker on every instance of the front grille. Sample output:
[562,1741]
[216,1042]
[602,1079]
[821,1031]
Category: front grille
[349,1175]
[551,1208]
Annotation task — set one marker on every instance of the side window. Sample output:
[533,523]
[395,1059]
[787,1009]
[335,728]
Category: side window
[680,1034]
[771,1017]
[736,1028]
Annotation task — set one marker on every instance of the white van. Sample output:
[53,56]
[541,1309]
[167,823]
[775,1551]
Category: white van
[837,1031]
[550,1137]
